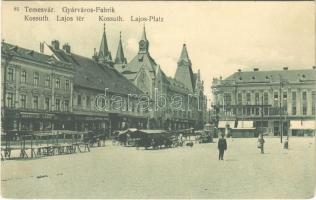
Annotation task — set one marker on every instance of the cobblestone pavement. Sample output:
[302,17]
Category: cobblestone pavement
[124,172]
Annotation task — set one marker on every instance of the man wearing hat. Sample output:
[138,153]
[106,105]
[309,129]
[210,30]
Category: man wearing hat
[222,146]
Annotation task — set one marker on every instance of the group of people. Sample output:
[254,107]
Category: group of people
[222,145]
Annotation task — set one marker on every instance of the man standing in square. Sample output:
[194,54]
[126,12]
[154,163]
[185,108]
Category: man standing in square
[222,146]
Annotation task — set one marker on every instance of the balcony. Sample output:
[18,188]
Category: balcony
[250,111]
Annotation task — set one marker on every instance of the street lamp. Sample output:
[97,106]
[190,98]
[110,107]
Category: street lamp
[282,82]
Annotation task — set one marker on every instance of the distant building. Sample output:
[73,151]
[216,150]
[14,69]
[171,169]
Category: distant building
[272,102]
[148,76]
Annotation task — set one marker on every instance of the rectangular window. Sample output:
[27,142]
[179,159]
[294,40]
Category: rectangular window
[35,102]
[294,103]
[23,76]
[47,81]
[9,100]
[67,85]
[66,105]
[47,103]
[79,100]
[10,74]
[313,102]
[57,102]
[88,101]
[304,96]
[239,97]
[304,110]
[227,99]
[248,110]
[257,101]
[257,111]
[57,83]
[265,98]
[284,96]
[304,103]
[36,78]
[284,102]
[275,99]
[23,101]
[248,98]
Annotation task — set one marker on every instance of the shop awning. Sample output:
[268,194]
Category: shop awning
[222,124]
[303,124]
[245,124]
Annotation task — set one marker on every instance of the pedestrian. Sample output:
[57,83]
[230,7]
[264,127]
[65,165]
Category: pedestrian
[286,144]
[261,143]
[222,146]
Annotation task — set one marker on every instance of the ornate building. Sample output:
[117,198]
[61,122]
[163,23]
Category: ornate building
[186,87]
[58,89]
[273,102]
[103,99]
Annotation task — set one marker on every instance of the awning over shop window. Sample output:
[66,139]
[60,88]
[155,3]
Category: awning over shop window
[245,124]
[222,124]
[303,124]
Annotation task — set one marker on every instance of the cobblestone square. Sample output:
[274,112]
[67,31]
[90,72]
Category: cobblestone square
[185,172]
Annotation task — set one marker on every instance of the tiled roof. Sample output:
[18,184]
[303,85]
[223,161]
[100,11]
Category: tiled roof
[184,71]
[90,74]
[28,54]
[177,86]
[141,60]
[273,76]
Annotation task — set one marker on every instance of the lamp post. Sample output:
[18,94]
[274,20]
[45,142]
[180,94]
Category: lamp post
[280,108]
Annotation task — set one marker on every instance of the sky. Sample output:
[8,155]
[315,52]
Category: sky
[221,37]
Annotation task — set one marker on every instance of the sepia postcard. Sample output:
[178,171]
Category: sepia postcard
[158,100]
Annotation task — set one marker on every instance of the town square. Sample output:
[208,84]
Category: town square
[153,100]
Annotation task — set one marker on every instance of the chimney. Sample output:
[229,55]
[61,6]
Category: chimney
[285,68]
[255,69]
[314,67]
[42,47]
[239,70]
[66,48]
[55,44]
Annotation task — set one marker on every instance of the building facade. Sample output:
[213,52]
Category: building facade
[166,92]
[103,99]
[273,102]
[58,89]
[37,90]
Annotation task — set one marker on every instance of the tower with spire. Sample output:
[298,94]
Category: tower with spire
[104,55]
[143,43]
[184,73]
[120,58]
